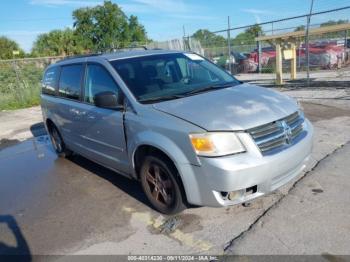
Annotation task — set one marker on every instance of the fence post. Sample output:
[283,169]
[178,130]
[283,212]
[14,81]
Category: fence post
[307,44]
[229,44]
[258,43]
[272,28]
[300,45]
[279,72]
[345,40]
[293,62]
[14,65]
[183,38]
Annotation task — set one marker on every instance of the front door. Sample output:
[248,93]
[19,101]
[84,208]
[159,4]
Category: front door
[102,131]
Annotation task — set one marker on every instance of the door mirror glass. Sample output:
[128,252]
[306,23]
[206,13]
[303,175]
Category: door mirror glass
[108,100]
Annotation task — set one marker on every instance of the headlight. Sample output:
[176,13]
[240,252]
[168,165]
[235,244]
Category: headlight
[216,144]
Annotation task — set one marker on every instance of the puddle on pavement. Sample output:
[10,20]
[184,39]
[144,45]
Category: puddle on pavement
[36,146]
[333,258]
[23,169]
[7,142]
[316,112]
[61,198]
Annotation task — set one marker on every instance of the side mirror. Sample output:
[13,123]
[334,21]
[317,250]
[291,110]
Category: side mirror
[108,100]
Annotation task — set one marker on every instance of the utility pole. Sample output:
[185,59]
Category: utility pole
[229,44]
[272,28]
[184,37]
[307,44]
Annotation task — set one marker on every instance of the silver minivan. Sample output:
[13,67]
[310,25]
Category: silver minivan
[187,130]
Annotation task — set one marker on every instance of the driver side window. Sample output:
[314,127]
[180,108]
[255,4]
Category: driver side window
[98,80]
[195,73]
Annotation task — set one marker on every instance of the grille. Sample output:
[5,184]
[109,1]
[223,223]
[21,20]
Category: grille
[278,135]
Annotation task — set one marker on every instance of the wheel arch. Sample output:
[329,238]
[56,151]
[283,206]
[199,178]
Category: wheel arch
[49,124]
[147,149]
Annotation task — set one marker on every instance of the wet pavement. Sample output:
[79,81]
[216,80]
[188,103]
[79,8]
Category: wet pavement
[58,201]
[74,206]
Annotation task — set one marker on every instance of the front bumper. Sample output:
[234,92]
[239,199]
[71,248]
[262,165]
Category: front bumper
[208,183]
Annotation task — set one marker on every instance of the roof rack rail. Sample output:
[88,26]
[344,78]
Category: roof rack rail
[124,49]
[79,56]
[109,50]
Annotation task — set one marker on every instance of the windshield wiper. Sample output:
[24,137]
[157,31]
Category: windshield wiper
[160,99]
[176,96]
[209,88]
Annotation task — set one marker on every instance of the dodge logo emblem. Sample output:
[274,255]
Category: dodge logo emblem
[287,131]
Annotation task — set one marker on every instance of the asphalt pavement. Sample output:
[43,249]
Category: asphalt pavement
[59,206]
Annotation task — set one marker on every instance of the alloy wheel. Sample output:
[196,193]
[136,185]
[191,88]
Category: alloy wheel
[56,140]
[159,185]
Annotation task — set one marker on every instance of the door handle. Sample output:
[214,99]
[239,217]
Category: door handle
[77,112]
[74,111]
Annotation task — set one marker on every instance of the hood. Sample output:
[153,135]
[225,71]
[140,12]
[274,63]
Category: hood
[235,108]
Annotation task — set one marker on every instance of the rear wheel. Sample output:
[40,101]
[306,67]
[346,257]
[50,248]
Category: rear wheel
[159,179]
[58,143]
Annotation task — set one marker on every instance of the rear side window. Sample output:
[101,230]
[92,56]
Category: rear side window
[70,81]
[98,80]
[50,81]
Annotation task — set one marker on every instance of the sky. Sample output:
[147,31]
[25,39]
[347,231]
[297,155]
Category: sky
[24,20]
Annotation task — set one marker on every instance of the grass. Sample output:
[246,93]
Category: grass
[20,84]
[20,99]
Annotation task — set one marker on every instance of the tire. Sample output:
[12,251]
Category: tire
[58,143]
[159,180]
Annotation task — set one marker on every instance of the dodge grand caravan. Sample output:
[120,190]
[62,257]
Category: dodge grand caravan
[187,130]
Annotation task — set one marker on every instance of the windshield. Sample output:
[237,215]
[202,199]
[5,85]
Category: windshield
[162,77]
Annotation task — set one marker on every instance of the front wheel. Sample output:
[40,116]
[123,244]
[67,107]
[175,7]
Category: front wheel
[160,183]
[58,143]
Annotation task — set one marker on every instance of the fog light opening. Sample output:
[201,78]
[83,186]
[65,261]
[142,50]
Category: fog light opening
[234,195]
[224,195]
[251,190]
[238,194]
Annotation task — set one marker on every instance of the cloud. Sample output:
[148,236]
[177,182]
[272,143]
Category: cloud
[65,2]
[134,8]
[257,19]
[256,11]
[192,17]
[177,6]
[20,32]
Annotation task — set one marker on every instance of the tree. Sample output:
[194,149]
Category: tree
[332,22]
[335,34]
[209,39]
[7,46]
[299,28]
[106,27]
[137,32]
[56,43]
[248,36]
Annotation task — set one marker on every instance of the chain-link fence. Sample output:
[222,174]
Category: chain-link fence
[326,56]
[20,78]
[20,81]
[235,49]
